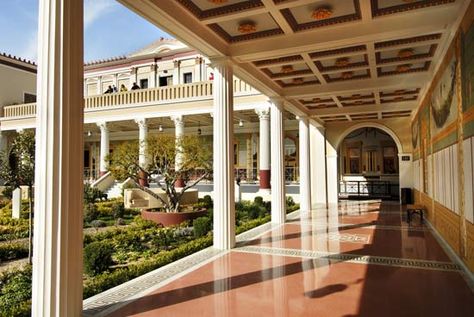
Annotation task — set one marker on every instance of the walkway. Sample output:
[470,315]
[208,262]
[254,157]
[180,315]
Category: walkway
[360,260]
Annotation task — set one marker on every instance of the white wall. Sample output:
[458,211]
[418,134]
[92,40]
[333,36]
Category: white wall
[15,83]
[405,171]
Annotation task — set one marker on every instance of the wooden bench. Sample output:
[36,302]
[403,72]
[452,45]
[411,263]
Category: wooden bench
[415,209]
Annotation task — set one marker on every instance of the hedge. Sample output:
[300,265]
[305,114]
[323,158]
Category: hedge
[105,281]
[13,251]
[15,293]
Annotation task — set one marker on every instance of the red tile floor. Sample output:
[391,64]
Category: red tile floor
[360,260]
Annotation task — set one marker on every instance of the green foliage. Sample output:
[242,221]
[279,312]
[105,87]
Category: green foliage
[90,213]
[17,164]
[13,251]
[290,201]
[98,224]
[97,257]
[13,232]
[246,210]
[105,281]
[8,192]
[252,224]
[15,292]
[93,194]
[258,201]
[202,226]
[118,210]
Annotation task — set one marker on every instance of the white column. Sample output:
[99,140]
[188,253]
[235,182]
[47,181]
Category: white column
[198,70]
[317,165]
[332,180]
[99,86]
[305,185]
[224,206]
[142,136]
[133,77]
[58,232]
[278,162]
[176,73]
[264,149]
[152,78]
[104,147]
[179,133]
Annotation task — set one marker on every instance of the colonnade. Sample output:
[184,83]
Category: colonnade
[57,268]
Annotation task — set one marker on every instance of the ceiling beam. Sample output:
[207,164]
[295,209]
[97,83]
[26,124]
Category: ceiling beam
[390,107]
[404,81]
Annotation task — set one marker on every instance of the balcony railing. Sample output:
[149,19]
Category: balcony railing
[200,90]
[24,110]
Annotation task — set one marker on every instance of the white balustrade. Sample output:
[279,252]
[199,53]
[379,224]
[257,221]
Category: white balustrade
[140,96]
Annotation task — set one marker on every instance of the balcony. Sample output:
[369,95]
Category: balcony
[199,91]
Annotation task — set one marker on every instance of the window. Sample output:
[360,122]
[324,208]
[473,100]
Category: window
[166,80]
[188,78]
[29,98]
[143,83]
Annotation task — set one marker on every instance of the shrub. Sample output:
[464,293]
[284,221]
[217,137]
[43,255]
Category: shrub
[202,226]
[290,201]
[97,258]
[15,292]
[13,251]
[118,210]
[207,201]
[105,281]
[93,194]
[90,212]
[120,222]
[98,223]
[258,200]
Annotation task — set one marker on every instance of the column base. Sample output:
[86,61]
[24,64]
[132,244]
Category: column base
[102,173]
[264,179]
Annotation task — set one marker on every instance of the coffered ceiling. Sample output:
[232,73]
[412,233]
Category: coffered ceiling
[335,60]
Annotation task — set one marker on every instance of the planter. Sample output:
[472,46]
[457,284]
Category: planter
[172,218]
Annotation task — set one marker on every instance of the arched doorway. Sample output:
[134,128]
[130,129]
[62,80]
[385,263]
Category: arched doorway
[368,164]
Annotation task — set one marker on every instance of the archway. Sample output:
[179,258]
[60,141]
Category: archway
[368,163]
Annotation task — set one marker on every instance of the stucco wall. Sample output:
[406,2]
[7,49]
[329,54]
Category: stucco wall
[15,83]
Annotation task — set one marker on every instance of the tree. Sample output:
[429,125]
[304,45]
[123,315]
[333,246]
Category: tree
[162,151]
[18,169]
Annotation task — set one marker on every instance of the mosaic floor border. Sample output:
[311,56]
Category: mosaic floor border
[321,225]
[353,258]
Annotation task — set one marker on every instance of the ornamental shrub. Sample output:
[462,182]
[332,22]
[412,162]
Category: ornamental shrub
[13,251]
[15,292]
[202,226]
[97,257]
[258,200]
[118,210]
[90,213]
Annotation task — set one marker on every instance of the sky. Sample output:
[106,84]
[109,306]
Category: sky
[110,29]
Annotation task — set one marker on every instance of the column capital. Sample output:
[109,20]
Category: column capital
[133,70]
[263,112]
[176,62]
[177,119]
[102,126]
[220,61]
[303,118]
[278,102]
[198,60]
[141,122]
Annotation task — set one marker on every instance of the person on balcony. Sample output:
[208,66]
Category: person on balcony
[114,88]
[135,86]
[109,90]
[123,88]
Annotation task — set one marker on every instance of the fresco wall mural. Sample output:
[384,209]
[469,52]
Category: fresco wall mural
[443,101]
[467,66]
